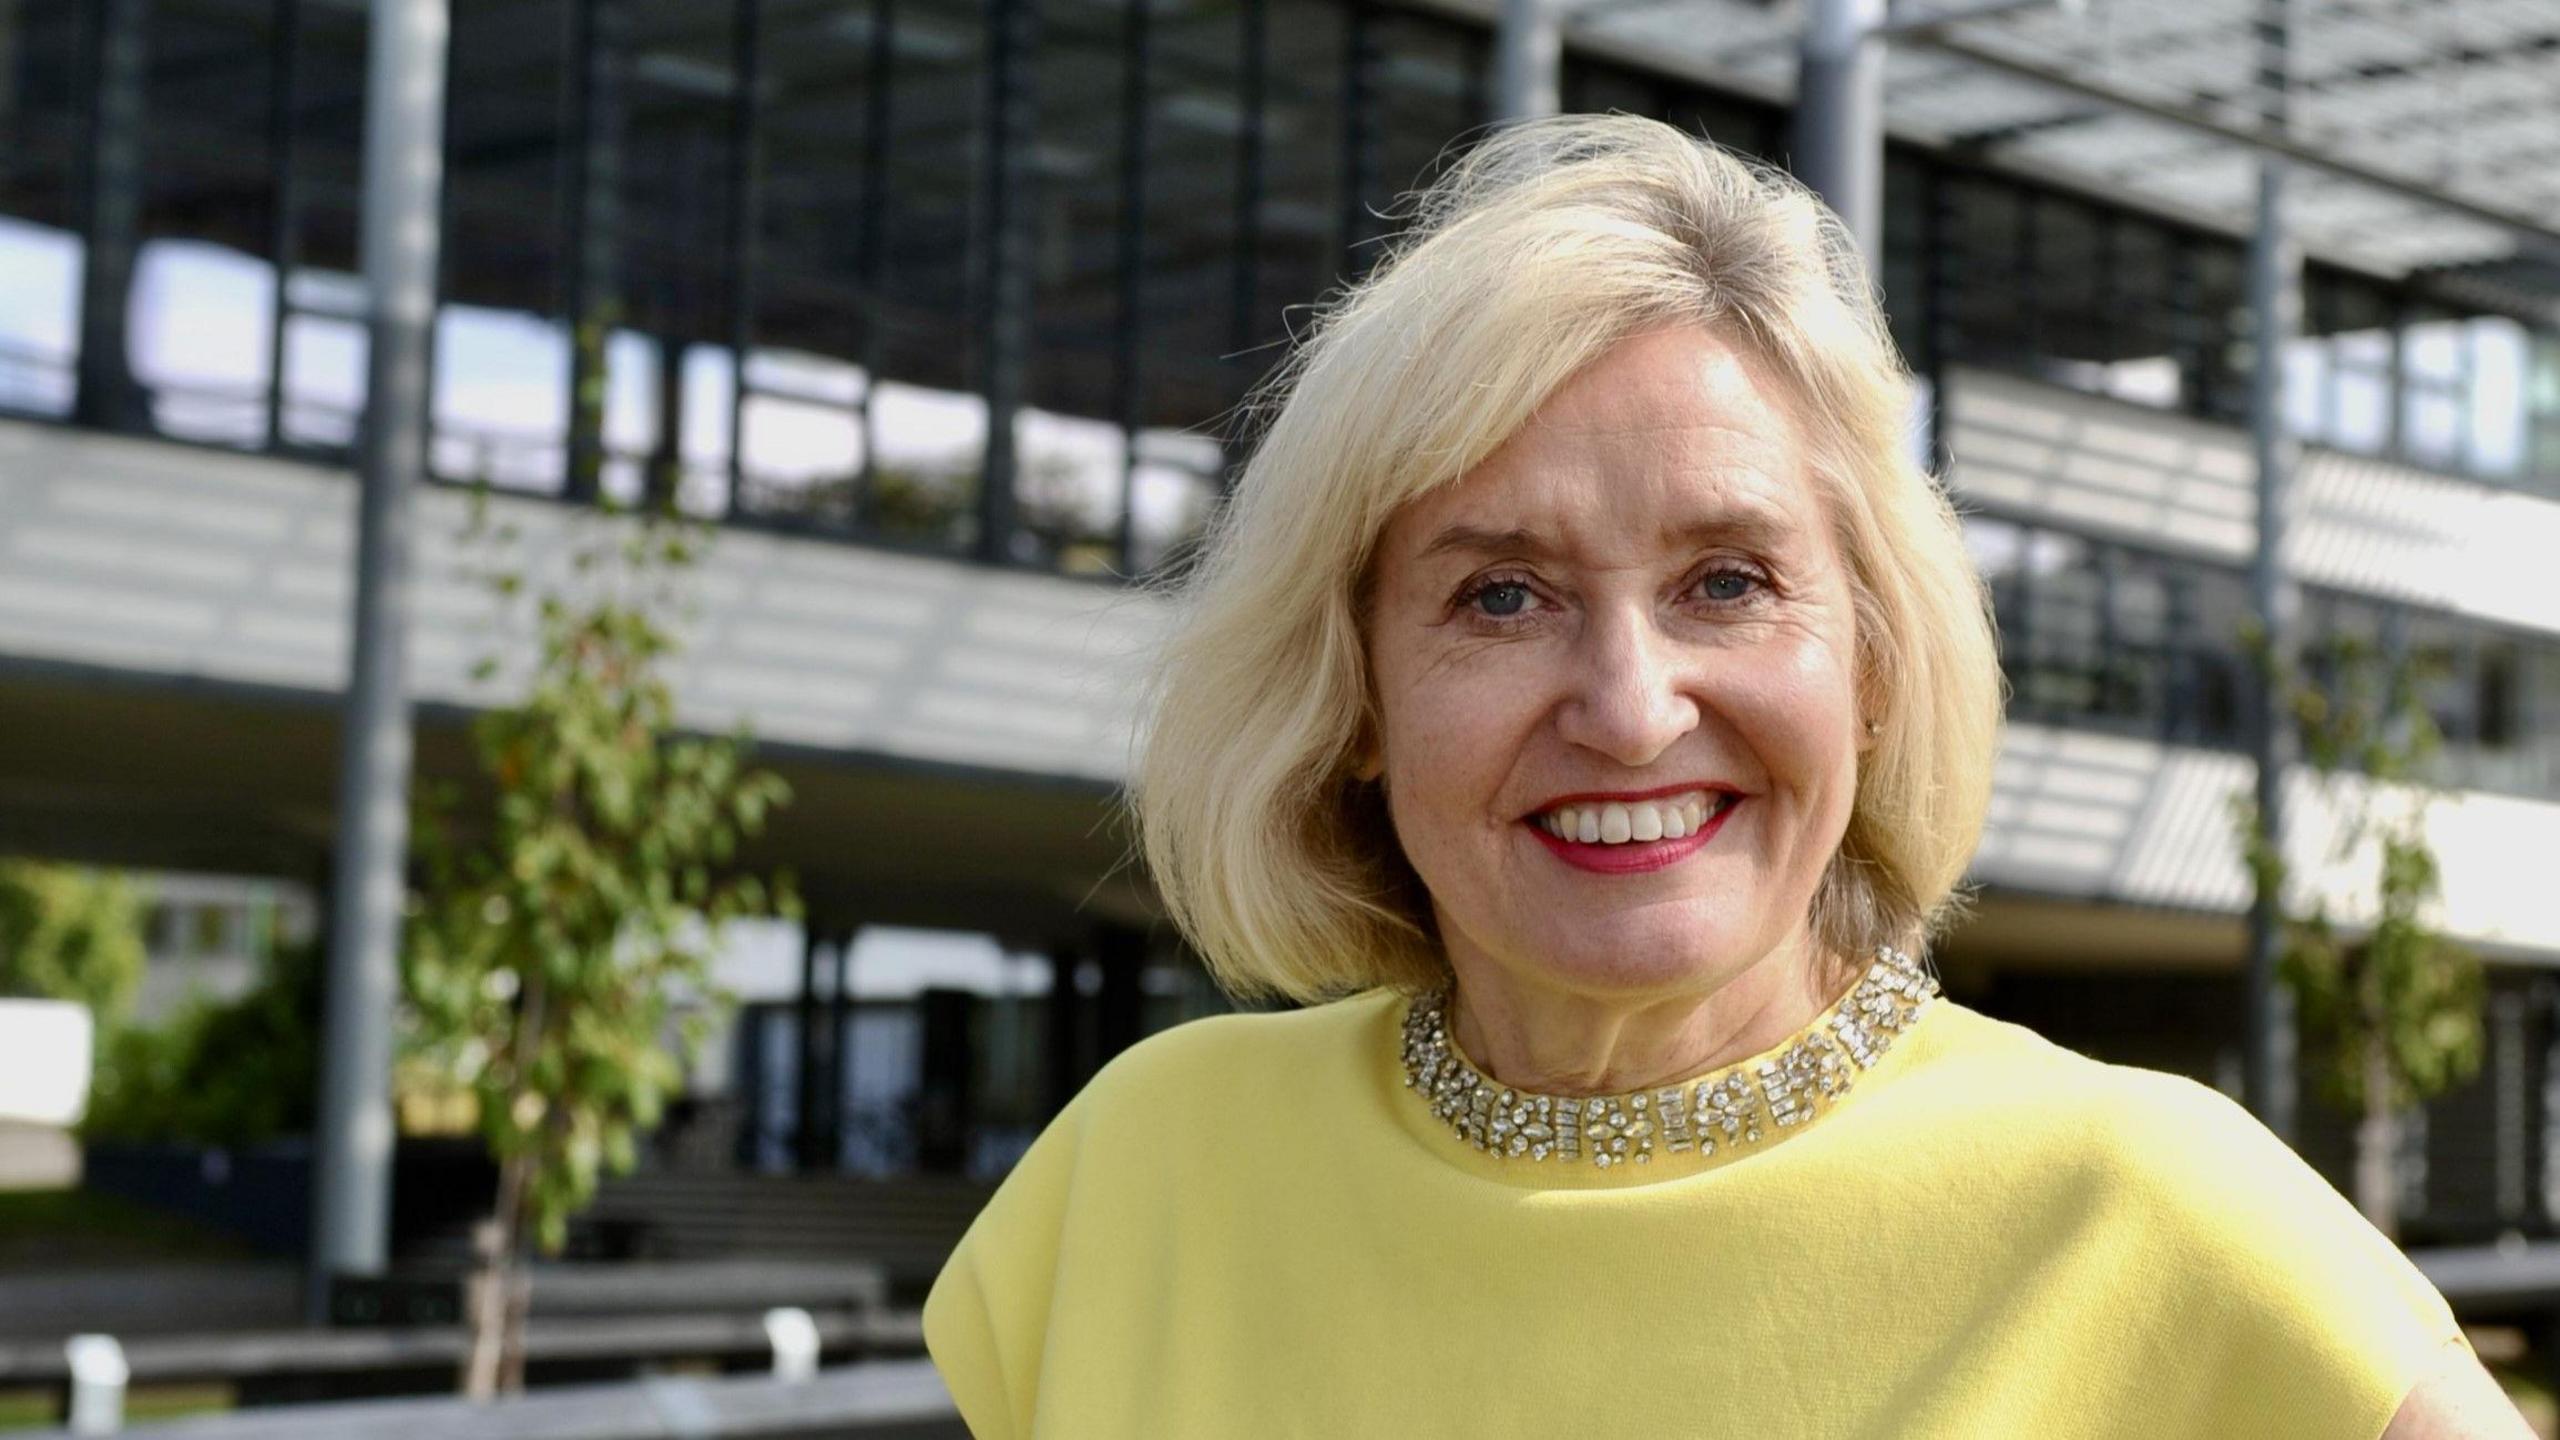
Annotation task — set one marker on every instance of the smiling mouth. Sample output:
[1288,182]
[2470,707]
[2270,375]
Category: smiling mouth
[1636,822]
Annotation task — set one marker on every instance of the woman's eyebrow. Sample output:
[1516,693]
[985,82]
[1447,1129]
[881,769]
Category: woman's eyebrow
[1462,538]
[1746,525]
[1750,525]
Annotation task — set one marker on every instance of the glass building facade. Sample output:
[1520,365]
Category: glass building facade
[995,279]
[1003,272]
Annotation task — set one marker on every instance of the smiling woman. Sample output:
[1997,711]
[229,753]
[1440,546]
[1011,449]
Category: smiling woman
[1585,712]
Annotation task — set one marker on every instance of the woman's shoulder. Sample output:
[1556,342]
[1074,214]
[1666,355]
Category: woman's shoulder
[2145,1122]
[1241,1051]
[2179,1161]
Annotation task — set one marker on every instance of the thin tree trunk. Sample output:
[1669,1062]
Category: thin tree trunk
[496,1319]
[495,1360]
[2378,1145]
[511,1343]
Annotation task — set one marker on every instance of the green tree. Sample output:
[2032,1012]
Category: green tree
[2391,1011]
[560,948]
[71,933]
[218,1072]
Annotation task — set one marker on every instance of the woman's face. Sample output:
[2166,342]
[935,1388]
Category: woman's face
[1618,716]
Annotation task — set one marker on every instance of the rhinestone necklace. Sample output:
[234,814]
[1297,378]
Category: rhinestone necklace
[1732,1109]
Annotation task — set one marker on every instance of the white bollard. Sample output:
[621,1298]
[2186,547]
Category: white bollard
[794,1336]
[98,1375]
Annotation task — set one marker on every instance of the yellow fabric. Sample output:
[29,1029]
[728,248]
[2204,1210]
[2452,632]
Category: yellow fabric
[1246,1226]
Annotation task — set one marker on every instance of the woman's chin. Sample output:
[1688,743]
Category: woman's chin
[1644,958]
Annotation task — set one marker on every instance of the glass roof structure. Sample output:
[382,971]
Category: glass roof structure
[2426,132]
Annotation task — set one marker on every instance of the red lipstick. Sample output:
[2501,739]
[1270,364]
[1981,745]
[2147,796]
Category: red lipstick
[1639,856]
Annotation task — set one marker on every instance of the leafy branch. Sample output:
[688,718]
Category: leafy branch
[560,943]
[2393,1010]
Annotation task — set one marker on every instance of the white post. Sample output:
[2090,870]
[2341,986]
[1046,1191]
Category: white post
[794,1336]
[98,1376]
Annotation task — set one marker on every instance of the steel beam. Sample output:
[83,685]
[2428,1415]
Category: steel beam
[2534,236]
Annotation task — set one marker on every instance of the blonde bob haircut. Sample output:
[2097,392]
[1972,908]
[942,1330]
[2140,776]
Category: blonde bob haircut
[1530,257]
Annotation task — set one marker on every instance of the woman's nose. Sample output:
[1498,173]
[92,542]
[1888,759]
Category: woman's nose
[1629,697]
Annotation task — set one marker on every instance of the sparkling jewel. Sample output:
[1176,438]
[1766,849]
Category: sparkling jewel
[1732,1107]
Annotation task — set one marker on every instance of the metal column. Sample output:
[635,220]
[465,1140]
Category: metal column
[1004,279]
[112,41]
[1129,383]
[1939,337]
[1839,117]
[1063,1017]
[403,175]
[871,244]
[2275,308]
[665,479]
[1244,288]
[1363,57]
[746,119]
[1120,1007]
[1528,58]
[284,212]
[811,1065]
[839,1106]
[591,227]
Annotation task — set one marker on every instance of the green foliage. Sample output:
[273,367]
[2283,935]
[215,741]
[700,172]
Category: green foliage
[70,933]
[562,939]
[218,1072]
[2401,994]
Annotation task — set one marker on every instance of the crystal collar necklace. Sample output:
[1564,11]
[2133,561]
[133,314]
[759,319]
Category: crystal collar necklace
[1731,1108]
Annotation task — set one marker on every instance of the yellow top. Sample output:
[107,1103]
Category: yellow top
[1247,1226]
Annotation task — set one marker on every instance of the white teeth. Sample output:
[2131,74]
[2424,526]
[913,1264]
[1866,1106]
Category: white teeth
[1614,828]
[1631,822]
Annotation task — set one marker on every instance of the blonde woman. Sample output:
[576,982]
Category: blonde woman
[1586,712]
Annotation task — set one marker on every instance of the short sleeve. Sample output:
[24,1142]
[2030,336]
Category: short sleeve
[2304,1319]
[986,1318]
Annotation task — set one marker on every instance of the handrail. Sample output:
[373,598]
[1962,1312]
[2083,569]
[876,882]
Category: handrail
[904,1398]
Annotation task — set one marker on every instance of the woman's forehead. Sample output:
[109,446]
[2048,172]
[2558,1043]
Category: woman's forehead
[1611,502]
[1682,379]
[1668,437]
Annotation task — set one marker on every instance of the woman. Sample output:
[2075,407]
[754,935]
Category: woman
[1587,710]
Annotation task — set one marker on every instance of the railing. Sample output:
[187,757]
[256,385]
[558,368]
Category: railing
[892,1400]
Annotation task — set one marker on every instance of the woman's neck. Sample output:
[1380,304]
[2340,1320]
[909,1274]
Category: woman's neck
[1533,1034]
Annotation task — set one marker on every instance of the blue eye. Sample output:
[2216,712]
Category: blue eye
[1502,597]
[1727,586]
